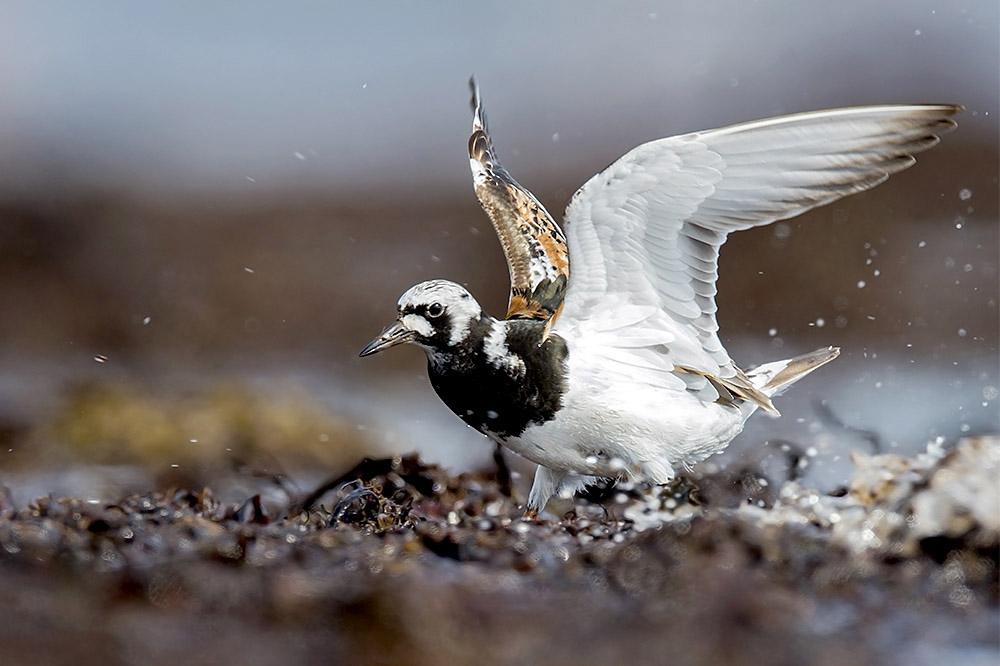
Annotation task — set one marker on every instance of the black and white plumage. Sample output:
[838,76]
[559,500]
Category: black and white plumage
[616,369]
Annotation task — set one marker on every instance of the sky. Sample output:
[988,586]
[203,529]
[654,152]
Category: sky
[208,95]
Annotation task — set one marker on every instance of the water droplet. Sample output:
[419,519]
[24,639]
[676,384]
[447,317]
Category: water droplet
[299,156]
[861,284]
[917,32]
[146,320]
[965,194]
[490,414]
[772,332]
[555,137]
[961,332]
[248,269]
[100,358]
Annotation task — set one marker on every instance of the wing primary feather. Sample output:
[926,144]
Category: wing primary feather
[478,115]
[646,231]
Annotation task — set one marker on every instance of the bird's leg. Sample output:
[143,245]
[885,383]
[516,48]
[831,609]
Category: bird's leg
[503,471]
[547,482]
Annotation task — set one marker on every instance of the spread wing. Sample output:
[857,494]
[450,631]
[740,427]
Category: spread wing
[644,235]
[533,243]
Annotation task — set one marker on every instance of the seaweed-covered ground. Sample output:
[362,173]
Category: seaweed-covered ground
[398,562]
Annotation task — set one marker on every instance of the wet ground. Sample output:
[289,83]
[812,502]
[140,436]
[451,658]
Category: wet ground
[396,561]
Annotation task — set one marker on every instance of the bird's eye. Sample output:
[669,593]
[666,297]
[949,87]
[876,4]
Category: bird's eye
[435,310]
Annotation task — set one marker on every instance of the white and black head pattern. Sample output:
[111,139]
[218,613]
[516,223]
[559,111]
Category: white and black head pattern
[437,315]
[440,313]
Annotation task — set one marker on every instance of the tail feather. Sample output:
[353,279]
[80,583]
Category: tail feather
[773,378]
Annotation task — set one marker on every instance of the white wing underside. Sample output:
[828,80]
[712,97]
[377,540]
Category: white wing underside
[644,235]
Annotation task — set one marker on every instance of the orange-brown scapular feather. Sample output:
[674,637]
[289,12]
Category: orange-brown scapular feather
[533,244]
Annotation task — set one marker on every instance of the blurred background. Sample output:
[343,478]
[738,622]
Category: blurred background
[208,208]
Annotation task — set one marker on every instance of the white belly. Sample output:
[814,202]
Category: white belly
[609,425]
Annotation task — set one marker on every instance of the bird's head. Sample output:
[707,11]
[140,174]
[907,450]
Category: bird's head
[436,315]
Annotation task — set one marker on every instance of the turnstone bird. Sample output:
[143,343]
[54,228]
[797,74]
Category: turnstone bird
[616,369]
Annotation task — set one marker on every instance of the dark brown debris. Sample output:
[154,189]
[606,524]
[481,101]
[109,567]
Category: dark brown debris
[397,561]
